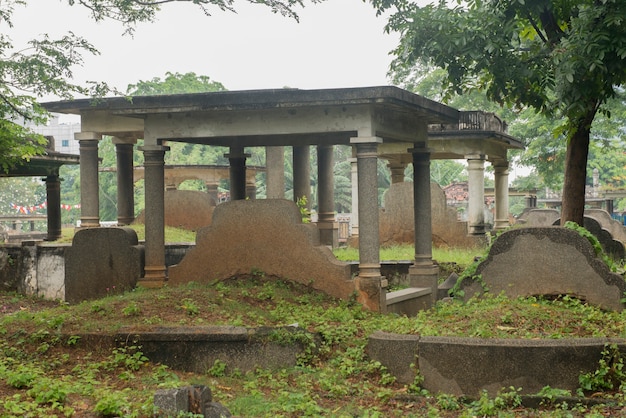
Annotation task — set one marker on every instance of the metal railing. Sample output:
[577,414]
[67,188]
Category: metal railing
[473,121]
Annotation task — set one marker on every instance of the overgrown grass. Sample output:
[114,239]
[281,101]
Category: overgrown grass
[461,256]
[45,368]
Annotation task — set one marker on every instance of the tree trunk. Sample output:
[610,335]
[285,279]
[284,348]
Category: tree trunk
[573,205]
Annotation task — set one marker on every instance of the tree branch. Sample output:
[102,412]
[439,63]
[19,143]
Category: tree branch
[534,25]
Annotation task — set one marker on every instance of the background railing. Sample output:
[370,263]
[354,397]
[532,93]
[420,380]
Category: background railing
[473,121]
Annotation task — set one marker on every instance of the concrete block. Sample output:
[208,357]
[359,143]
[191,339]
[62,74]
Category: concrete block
[171,401]
[396,352]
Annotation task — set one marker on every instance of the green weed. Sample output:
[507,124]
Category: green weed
[190,307]
[132,309]
[610,374]
[218,369]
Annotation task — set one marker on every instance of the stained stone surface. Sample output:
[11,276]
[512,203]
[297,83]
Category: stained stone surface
[547,261]
[397,224]
[102,261]
[265,236]
[188,209]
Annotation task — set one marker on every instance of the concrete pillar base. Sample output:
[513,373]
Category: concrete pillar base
[426,276]
[89,222]
[125,220]
[154,277]
[371,292]
[477,230]
[501,225]
[329,233]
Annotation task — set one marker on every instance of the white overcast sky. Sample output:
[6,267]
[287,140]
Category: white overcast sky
[338,43]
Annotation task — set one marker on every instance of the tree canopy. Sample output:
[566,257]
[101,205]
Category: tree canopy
[175,83]
[563,58]
[131,12]
[44,66]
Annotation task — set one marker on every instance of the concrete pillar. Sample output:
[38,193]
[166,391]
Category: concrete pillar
[370,283]
[155,271]
[424,273]
[397,171]
[275,172]
[251,190]
[329,229]
[354,217]
[501,174]
[170,183]
[89,186]
[476,186]
[237,160]
[213,192]
[302,174]
[125,183]
[53,196]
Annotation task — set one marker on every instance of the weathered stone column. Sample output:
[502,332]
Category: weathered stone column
[251,189]
[476,186]
[424,273]
[213,192]
[397,171]
[329,229]
[89,190]
[155,271]
[275,172]
[501,175]
[370,284]
[302,174]
[237,160]
[354,177]
[53,196]
[125,183]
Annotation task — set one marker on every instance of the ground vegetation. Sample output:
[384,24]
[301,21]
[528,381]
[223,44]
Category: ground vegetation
[47,366]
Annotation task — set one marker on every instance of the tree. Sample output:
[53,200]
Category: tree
[44,66]
[175,83]
[563,58]
[131,12]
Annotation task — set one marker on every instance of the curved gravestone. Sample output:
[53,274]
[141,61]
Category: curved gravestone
[547,261]
[539,217]
[617,230]
[612,247]
[266,236]
[100,262]
[187,209]
[397,225]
